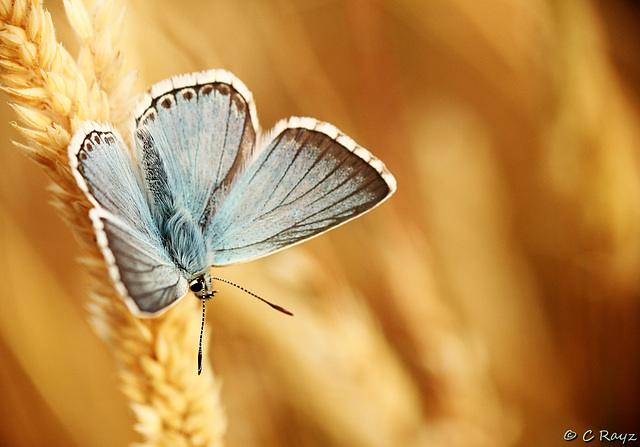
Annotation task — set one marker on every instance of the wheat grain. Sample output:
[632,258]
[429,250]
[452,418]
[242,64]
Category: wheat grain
[51,95]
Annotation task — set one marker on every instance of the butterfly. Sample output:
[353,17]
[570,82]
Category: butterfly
[203,187]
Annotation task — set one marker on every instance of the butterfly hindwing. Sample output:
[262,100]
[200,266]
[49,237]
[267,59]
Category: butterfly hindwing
[308,179]
[138,264]
[204,126]
[140,271]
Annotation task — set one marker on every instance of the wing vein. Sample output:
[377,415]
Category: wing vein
[306,218]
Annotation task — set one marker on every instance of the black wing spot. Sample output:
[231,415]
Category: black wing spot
[148,116]
[167,102]
[188,95]
[224,89]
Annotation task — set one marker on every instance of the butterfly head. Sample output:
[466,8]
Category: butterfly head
[201,287]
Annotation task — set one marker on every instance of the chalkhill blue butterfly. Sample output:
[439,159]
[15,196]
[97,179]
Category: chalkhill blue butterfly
[203,187]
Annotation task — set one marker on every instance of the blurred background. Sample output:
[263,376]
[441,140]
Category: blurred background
[493,301]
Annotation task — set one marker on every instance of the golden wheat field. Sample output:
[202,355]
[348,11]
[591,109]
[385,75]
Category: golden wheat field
[494,300]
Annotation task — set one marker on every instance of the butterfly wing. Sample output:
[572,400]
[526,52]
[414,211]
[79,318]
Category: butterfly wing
[140,268]
[204,126]
[140,273]
[308,179]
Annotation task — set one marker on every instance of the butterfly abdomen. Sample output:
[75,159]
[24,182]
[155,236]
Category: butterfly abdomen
[184,242]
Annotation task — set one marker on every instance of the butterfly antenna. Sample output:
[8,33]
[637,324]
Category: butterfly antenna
[275,306]
[200,343]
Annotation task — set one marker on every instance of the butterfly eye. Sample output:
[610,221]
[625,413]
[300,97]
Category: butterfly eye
[196,286]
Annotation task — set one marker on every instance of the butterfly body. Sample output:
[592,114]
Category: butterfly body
[203,187]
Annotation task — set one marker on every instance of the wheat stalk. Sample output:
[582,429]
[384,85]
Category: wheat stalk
[51,94]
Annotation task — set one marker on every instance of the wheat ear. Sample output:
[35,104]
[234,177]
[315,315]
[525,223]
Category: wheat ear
[51,94]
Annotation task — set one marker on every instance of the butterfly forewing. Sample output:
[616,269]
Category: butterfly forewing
[102,166]
[204,132]
[309,179]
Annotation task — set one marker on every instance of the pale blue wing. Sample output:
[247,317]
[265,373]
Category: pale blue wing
[204,127]
[146,279]
[308,179]
[140,267]
[103,168]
